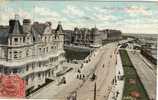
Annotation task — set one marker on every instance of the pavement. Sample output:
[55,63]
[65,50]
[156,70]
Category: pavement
[146,73]
[118,87]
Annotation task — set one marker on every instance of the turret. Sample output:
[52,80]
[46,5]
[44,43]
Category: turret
[16,32]
[59,28]
[14,26]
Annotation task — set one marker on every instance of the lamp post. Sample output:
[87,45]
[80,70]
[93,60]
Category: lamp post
[95,91]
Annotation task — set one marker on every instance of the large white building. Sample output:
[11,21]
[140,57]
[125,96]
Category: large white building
[33,51]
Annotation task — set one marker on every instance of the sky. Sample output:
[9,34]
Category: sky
[129,17]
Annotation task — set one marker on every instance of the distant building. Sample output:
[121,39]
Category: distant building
[113,34]
[33,51]
[90,37]
[86,37]
[67,36]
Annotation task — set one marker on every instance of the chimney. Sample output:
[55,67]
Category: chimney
[26,25]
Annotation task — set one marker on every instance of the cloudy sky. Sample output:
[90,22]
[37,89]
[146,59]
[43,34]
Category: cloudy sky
[130,17]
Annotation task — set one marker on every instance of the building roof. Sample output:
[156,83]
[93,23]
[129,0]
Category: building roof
[39,27]
[4,34]
[36,36]
[15,27]
[59,28]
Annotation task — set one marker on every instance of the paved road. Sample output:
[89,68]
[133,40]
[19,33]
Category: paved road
[104,55]
[146,74]
[104,77]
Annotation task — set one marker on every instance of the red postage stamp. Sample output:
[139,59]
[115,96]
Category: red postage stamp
[12,86]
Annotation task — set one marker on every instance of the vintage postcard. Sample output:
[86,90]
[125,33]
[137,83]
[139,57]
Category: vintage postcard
[78,49]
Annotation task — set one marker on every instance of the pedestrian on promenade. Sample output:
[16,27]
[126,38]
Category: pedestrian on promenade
[103,66]
[117,93]
[80,76]
[83,76]
[79,71]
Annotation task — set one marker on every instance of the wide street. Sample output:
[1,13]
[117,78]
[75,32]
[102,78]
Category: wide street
[146,72]
[104,78]
[85,89]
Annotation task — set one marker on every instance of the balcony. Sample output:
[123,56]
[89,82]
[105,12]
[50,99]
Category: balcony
[22,61]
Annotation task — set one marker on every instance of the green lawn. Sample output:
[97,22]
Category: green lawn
[130,73]
[125,58]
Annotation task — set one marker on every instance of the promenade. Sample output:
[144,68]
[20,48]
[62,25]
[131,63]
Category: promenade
[117,89]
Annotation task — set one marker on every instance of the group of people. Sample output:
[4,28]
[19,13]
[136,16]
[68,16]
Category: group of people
[80,75]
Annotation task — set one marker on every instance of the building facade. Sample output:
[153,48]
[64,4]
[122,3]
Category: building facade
[85,37]
[33,51]
[113,34]
[93,37]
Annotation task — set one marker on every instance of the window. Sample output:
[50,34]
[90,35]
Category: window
[20,53]
[27,67]
[39,64]
[15,71]
[47,49]
[20,39]
[51,47]
[40,50]
[10,53]
[33,65]
[27,52]
[39,75]
[15,54]
[15,39]
[44,50]
[23,39]
[45,38]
